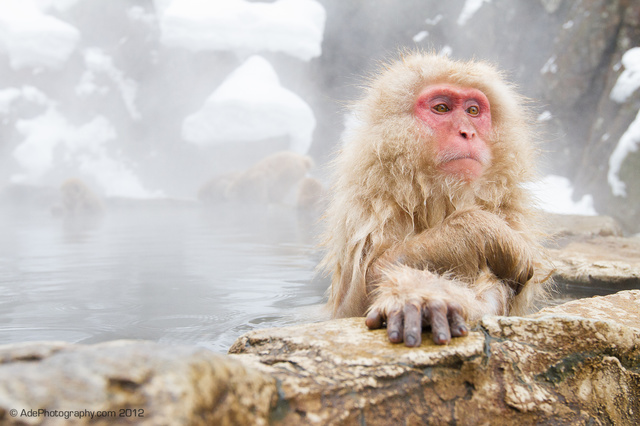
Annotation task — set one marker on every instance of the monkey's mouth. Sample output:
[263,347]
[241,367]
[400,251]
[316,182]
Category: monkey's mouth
[466,165]
[448,157]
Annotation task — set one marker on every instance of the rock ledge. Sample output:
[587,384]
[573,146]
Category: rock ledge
[577,363]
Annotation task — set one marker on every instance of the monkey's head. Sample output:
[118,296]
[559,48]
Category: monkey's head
[458,119]
[431,115]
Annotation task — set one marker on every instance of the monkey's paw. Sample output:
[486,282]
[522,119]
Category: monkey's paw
[511,260]
[405,320]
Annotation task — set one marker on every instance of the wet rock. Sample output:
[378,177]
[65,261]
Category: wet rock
[622,308]
[509,370]
[591,255]
[586,62]
[562,227]
[128,382]
[611,263]
[577,363]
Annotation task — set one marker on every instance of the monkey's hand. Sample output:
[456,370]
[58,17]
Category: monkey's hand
[408,299]
[510,258]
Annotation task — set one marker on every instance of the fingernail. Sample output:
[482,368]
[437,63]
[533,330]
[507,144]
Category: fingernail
[393,336]
[442,337]
[410,341]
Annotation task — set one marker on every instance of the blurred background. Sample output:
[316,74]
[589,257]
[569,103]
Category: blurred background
[150,99]
[130,95]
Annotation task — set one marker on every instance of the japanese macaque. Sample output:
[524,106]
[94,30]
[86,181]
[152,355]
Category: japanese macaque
[214,191]
[76,199]
[270,180]
[311,195]
[429,224]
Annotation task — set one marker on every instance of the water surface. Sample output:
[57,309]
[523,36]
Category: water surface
[173,275]
[184,275]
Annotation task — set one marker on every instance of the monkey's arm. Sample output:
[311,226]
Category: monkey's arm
[466,243]
[474,254]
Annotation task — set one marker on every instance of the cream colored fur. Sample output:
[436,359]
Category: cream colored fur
[387,191]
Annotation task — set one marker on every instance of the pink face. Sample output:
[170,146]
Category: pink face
[460,118]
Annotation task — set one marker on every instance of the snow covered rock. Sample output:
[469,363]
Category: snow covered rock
[294,27]
[33,39]
[251,105]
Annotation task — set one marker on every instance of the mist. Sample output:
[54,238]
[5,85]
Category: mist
[145,102]
[148,99]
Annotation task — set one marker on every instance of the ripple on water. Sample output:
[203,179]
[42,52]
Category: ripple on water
[26,333]
[178,328]
[177,322]
[91,306]
[183,277]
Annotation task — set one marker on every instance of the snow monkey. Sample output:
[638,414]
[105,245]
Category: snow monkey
[78,200]
[429,224]
[270,180]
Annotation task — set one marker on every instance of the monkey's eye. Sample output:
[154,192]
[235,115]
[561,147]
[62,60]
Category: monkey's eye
[441,108]
[473,110]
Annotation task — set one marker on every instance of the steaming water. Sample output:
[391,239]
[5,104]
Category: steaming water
[183,276]
[177,276]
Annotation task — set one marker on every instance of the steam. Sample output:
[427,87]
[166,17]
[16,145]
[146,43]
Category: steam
[146,126]
[109,119]
[98,63]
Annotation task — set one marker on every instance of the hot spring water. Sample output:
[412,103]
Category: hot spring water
[177,276]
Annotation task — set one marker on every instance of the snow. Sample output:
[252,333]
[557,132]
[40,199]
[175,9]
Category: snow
[550,66]
[469,9]
[97,62]
[446,51]
[162,5]
[294,27]
[545,116]
[554,195]
[251,105]
[137,13]
[84,147]
[627,144]
[28,93]
[59,5]
[116,179]
[434,20]
[7,96]
[33,39]
[629,80]
[420,36]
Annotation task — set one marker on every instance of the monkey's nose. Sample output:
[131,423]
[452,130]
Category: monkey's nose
[466,134]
